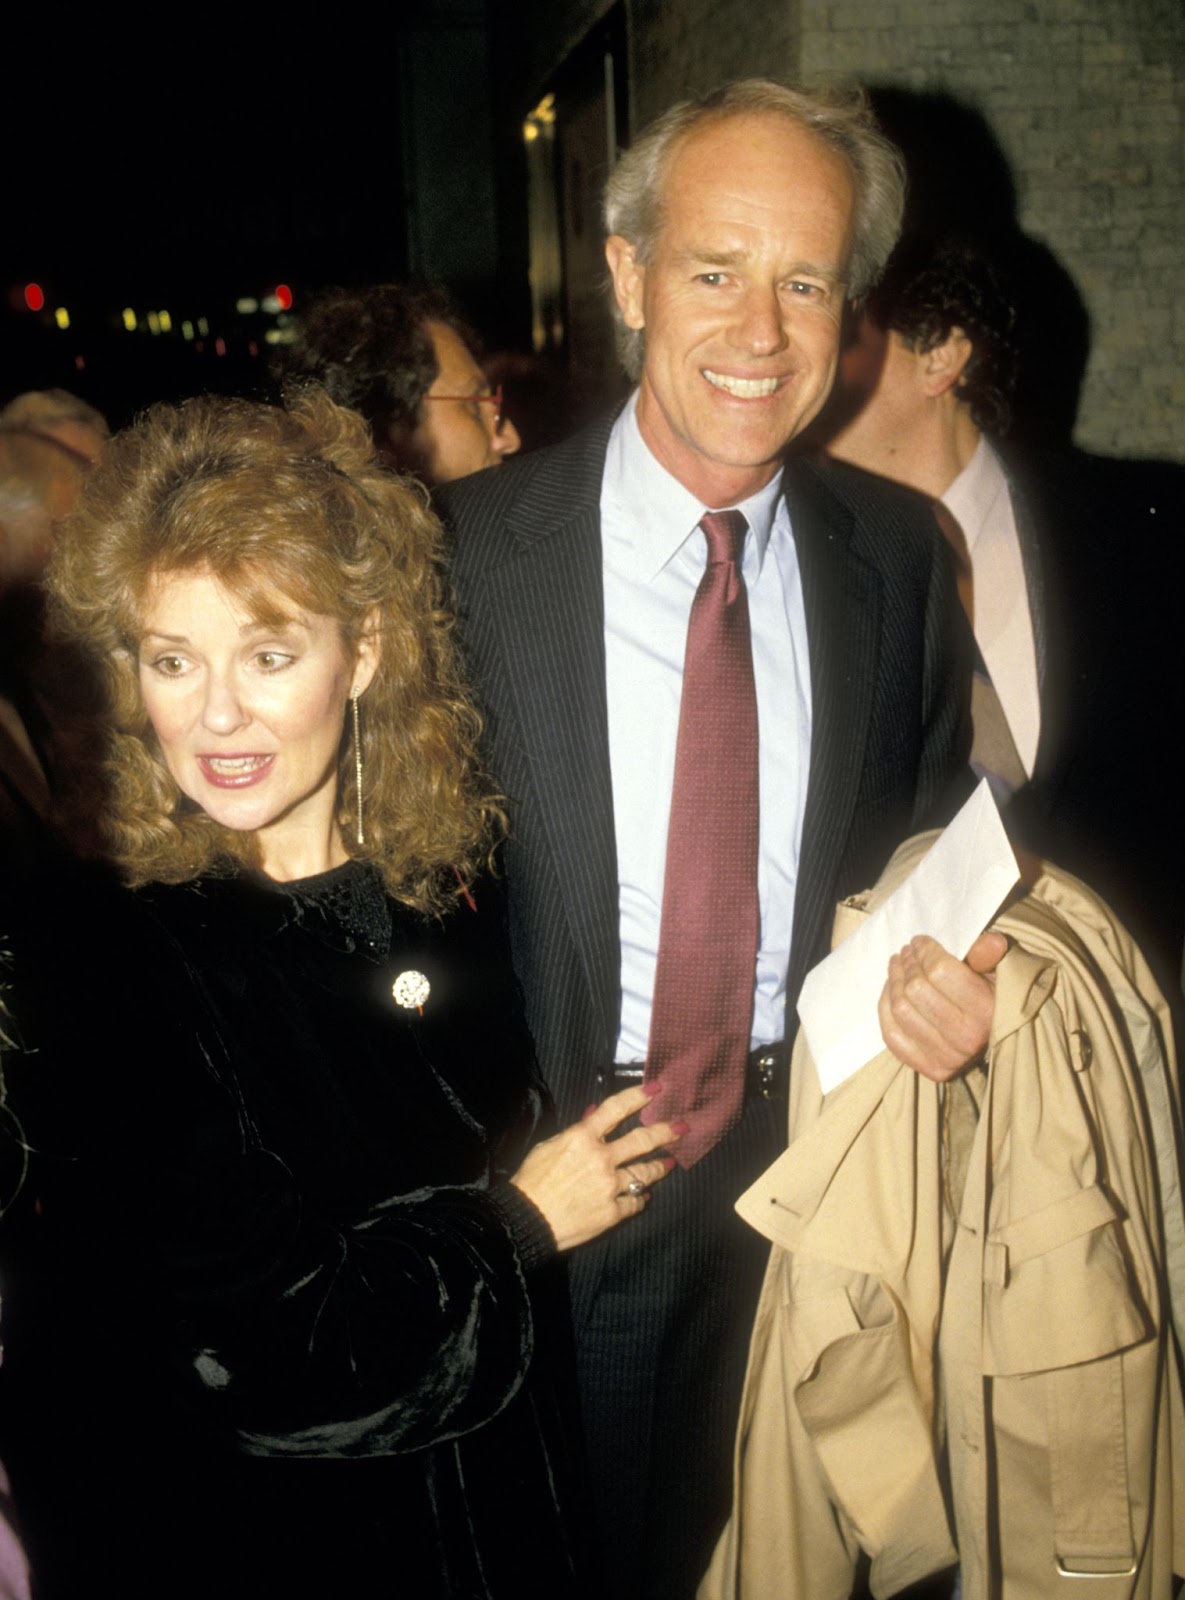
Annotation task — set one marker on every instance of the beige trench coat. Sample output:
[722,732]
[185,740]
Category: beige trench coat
[979,1288]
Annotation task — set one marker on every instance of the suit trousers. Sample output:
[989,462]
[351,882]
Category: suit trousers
[664,1308]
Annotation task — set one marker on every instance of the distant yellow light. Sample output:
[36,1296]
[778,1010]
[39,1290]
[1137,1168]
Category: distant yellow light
[541,120]
[62,317]
[203,327]
[153,322]
[247,306]
[129,319]
[166,322]
[187,330]
[271,304]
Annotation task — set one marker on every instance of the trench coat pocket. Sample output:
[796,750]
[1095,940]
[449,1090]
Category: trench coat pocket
[859,1402]
[1058,1288]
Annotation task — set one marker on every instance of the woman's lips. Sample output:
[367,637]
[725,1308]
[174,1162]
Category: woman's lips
[235,772]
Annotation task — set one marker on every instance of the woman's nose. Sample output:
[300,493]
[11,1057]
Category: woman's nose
[223,711]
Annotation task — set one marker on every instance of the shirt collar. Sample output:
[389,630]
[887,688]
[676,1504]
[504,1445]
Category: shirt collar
[660,512]
[972,497]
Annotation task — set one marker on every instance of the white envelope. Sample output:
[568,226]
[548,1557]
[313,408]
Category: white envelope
[952,894]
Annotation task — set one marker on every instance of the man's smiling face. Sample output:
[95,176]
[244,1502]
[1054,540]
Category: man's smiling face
[740,300]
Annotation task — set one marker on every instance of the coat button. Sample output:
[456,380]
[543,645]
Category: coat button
[1081,1049]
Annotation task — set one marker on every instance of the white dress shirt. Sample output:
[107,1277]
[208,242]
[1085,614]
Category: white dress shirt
[979,501]
[654,558]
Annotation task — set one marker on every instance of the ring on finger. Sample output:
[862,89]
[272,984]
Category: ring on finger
[635,1188]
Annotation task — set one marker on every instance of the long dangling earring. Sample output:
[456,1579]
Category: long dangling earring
[357,767]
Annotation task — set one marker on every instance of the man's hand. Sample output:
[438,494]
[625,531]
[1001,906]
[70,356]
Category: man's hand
[936,1012]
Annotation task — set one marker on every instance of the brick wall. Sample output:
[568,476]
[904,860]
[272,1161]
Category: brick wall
[1087,101]
[689,46]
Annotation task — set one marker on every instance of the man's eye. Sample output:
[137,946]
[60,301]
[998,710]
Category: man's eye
[712,279]
[806,291]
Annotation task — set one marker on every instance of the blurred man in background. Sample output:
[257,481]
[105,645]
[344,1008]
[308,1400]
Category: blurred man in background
[403,359]
[1071,575]
[58,415]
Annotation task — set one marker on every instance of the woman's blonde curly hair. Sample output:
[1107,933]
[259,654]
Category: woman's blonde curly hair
[293,504]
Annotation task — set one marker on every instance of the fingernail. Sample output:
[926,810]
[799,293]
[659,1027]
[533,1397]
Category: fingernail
[680,1127]
[669,1163]
[588,1111]
[653,1087]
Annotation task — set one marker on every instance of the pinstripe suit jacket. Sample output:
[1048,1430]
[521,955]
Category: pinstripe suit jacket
[888,661]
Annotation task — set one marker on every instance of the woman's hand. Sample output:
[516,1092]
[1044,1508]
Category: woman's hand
[582,1184]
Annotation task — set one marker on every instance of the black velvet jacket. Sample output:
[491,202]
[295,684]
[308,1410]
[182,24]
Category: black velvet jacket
[283,1324]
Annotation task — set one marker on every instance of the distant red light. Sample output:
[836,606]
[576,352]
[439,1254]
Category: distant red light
[284,296]
[34,296]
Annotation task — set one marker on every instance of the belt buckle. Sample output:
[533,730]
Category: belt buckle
[764,1068]
[619,1075]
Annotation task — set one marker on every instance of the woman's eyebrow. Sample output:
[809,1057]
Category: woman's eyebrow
[276,625]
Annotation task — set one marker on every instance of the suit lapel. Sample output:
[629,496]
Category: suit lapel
[548,605]
[1050,643]
[842,595]
[1030,556]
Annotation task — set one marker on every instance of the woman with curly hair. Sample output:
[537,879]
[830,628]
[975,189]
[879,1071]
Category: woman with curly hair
[297,1317]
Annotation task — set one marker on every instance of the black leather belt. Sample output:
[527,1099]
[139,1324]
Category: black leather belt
[766,1073]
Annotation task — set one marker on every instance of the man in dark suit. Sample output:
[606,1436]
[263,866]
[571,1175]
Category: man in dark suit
[738,227]
[1072,576]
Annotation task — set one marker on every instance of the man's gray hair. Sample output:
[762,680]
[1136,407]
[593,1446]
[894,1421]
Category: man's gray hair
[841,118]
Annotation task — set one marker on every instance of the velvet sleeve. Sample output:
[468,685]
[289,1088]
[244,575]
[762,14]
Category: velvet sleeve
[409,1326]
[300,1327]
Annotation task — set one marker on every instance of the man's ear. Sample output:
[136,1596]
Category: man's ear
[368,653]
[943,365]
[629,279]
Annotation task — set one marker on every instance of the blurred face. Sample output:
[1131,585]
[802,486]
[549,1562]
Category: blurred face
[26,543]
[249,715]
[50,482]
[78,436]
[741,300]
[878,408]
[460,431]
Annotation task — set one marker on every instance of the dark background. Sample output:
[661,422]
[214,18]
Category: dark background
[183,163]
[192,160]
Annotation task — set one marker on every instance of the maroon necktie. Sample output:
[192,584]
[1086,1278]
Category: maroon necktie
[707,948]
